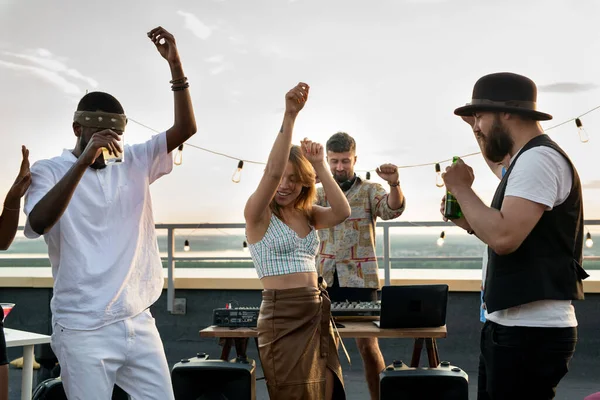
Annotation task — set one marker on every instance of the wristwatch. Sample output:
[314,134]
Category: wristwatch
[394,184]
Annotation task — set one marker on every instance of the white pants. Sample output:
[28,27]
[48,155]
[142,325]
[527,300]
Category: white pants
[129,353]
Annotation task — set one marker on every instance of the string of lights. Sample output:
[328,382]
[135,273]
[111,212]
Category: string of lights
[236,177]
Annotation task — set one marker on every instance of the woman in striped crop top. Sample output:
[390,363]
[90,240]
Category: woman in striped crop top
[297,349]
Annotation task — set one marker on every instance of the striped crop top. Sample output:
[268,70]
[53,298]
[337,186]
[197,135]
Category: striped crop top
[281,251]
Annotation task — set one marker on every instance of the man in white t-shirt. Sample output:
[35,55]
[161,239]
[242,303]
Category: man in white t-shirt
[97,221]
[534,233]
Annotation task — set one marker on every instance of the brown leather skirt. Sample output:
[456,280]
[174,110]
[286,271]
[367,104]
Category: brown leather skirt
[296,344]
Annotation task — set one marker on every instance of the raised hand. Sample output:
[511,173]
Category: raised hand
[388,172]
[458,175]
[296,98]
[23,180]
[165,44]
[104,139]
[312,151]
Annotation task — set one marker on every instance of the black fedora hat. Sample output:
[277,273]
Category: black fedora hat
[504,92]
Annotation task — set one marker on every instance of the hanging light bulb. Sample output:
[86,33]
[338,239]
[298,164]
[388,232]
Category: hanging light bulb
[583,136]
[245,246]
[186,245]
[368,175]
[440,241]
[588,240]
[237,175]
[179,155]
[439,182]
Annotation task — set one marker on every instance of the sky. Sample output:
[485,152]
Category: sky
[388,72]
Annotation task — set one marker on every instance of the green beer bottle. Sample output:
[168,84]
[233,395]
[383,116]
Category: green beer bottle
[452,208]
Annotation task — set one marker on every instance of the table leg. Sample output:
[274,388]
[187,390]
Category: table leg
[432,352]
[27,379]
[416,356]
[227,342]
[241,346]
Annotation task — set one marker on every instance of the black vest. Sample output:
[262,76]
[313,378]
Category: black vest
[547,265]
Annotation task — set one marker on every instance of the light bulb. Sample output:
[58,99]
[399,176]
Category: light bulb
[245,246]
[440,241]
[583,136]
[588,240]
[186,245]
[237,175]
[179,155]
[368,175]
[439,181]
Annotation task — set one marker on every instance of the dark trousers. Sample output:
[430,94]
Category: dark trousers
[523,362]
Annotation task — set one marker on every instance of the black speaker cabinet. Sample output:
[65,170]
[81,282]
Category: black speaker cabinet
[446,382]
[199,378]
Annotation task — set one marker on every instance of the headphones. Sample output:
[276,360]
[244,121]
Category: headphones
[346,185]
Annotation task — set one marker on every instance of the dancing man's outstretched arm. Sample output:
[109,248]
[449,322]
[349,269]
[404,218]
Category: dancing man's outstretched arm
[184,126]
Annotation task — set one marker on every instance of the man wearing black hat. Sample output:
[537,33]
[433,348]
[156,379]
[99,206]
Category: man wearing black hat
[534,233]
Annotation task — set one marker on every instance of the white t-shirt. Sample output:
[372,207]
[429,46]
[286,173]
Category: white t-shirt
[542,175]
[103,250]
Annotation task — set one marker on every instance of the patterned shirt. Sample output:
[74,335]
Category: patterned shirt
[281,251]
[349,247]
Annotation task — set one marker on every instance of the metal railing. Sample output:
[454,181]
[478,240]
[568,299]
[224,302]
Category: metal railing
[385,263]
[384,260]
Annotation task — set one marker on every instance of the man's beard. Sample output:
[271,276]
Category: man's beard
[341,177]
[498,142]
[99,163]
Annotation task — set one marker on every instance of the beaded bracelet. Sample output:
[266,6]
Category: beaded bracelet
[180,80]
[182,87]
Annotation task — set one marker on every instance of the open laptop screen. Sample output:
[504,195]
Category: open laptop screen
[413,306]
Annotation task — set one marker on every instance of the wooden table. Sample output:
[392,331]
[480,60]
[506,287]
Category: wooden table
[16,338]
[364,329]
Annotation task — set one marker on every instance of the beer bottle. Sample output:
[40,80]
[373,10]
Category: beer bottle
[452,208]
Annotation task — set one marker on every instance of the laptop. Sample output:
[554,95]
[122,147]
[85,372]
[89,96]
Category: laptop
[413,306]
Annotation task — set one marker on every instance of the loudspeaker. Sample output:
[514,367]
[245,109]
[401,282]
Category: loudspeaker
[199,378]
[446,382]
[52,389]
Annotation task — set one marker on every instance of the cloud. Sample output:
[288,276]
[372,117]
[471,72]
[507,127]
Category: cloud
[215,59]
[592,185]
[45,60]
[196,26]
[221,68]
[275,50]
[235,96]
[567,87]
[237,40]
[49,76]
[220,64]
